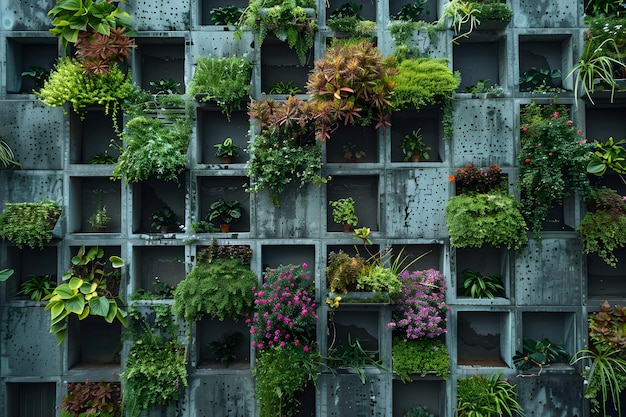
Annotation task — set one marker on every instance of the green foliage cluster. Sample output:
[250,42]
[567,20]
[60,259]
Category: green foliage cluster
[607,29]
[423,82]
[220,288]
[421,356]
[97,399]
[352,355]
[476,219]
[68,83]
[225,80]
[226,16]
[29,224]
[377,278]
[411,12]
[156,369]
[84,292]
[413,145]
[553,160]
[537,353]
[286,19]
[418,411]
[479,396]
[344,211]
[282,372]
[342,272]
[285,151]
[477,285]
[492,10]
[153,148]
[601,233]
[37,287]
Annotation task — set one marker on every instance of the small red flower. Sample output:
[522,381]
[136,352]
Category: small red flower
[451,178]
[580,132]
[539,144]
[569,123]
[525,128]
[527,160]
[555,115]
[550,154]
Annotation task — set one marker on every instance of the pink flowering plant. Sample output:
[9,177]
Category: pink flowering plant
[420,309]
[284,309]
[552,161]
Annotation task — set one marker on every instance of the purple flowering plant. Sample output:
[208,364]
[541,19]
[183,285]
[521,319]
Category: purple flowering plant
[420,308]
[284,309]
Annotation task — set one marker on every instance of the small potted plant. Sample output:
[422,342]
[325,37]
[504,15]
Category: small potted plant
[414,147]
[99,220]
[227,150]
[164,219]
[344,213]
[227,211]
[350,153]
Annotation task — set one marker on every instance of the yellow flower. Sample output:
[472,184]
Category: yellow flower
[333,303]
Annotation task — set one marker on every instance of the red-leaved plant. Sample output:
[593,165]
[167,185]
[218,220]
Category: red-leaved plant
[92,399]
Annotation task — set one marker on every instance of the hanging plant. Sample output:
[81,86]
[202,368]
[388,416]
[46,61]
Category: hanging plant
[29,224]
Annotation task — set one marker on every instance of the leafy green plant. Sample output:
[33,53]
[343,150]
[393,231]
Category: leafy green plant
[84,292]
[160,291]
[423,82]
[352,355]
[153,149]
[288,20]
[421,356]
[347,19]
[98,399]
[474,220]
[285,151]
[479,396]
[37,287]
[165,86]
[604,8]
[477,285]
[418,411]
[285,88]
[552,161]
[227,211]
[223,349]
[227,149]
[5,274]
[7,157]
[481,87]
[38,74]
[103,158]
[99,219]
[351,84]
[458,14]
[342,272]
[344,211]
[224,80]
[413,145]
[218,285]
[29,224]
[69,84]
[226,16]
[537,353]
[411,12]
[280,374]
[540,80]
[602,230]
[492,10]
[155,371]
[164,218]
[608,156]
[350,152]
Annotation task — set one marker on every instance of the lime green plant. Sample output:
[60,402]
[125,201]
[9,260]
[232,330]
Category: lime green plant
[461,16]
[29,224]
[84,292]
[421,356]
[477,219]
[225,80]
[608,156]
[344,211]
[479,396]
[68,83]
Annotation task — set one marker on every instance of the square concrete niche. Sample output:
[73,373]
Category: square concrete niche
[93,135]
[484,338]
[556,326]
[354,139]
[213,127]
[605,282]
[28,263]
[429,11]
[211,189]
[351,322]
[364,190]
[485,260]
[550,52]
[30,399]
[344,395]
[280,64]
[479,58]
[85,195]
[428,391]
[429,256]
[561,217]
[159,58]
[210,331]
[603,121]
[207,5]
[165,263]
[93,343]
[368,8]
[28,54]
[274,255]
[428,121]
[152,195]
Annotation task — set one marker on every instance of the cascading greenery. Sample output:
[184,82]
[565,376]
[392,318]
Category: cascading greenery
[29,224]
